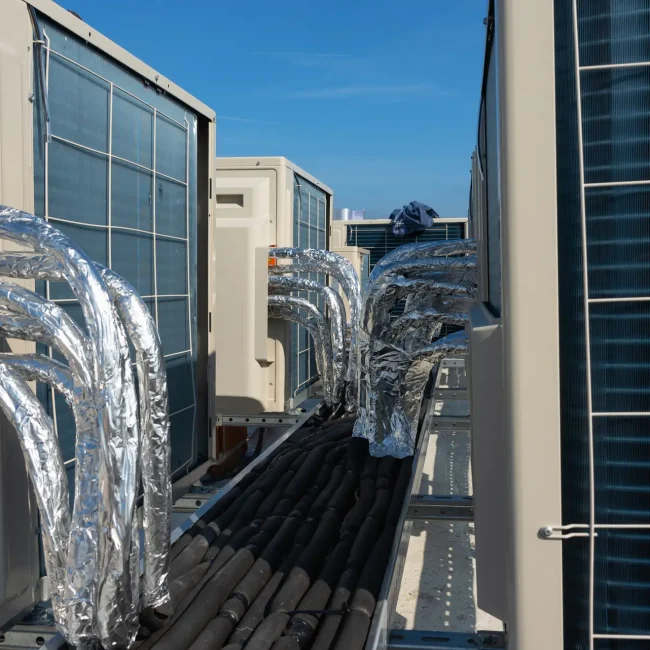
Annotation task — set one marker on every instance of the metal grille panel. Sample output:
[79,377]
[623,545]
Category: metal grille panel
[119,177]
[310,218]
[603,112]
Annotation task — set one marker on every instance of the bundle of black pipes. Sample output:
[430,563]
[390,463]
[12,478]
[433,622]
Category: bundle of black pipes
[293,557]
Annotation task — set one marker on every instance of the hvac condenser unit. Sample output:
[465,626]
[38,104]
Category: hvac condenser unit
[360,259]
[119,159]
[560,345]
[262,365]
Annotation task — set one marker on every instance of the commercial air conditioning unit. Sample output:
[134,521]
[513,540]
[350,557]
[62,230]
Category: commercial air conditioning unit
[560,344]
[118,158]
[360,259]
[262,365]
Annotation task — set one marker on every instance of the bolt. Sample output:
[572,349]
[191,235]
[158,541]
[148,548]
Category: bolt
[546,532]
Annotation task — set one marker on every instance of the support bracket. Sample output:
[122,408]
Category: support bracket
[441,508]
[425,640]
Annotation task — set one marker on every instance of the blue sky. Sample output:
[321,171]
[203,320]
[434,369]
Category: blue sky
[376,98]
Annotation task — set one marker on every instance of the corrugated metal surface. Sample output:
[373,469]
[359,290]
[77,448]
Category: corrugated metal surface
[616,133]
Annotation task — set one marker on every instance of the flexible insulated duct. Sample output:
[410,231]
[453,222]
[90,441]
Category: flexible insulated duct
[154,416]
[287,308]
[38,367]
[420,250]
[112,460]
[45,468]
[342,270]
[394,384]
[285,285]
[416,325]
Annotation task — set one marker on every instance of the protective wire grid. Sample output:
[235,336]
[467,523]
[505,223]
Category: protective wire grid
[603,113]
[309,223]
[119,177]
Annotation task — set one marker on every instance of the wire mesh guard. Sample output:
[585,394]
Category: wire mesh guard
[309,221]
[603,77]
[118,175]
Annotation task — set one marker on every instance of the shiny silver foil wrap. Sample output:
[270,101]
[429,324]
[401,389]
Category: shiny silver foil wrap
[38,367]
[342,270]
[423,249]
[280,285]
[45,468]
[154,417]
[402,278]
[391,393]
[311,318]
[154,427]
[407,329]
[103,518]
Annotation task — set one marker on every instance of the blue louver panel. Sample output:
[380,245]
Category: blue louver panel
[616,148]
[120,178]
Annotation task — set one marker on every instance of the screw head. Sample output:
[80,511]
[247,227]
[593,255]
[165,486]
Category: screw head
[546,532]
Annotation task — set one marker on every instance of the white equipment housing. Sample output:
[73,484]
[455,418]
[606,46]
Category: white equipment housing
[262,365]
[119,130]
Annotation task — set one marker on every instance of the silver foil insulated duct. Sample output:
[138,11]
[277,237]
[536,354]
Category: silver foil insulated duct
[280,285]
[288,308]
[102,557]
[342,270]
[393,388]
[46,471]
[394,357]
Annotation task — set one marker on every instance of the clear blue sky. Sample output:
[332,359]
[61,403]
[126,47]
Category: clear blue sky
[376,98]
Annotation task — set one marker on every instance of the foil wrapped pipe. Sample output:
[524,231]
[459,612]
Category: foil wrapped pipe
[154,427]
[379,306]
[285,285]
[343,272]
[154,417]
[411,324]
[311,318]
[423,249]
[113,458]
[38,367]
[45,468]
[416,338]
[392,393]
[28,316]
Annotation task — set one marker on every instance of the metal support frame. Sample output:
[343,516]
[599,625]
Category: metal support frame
[420,640]
[314,409]
[266,419]
[441,508]
[21,637]
[446,422]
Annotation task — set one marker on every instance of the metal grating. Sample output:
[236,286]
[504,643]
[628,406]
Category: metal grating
[119,177]
[603,115]
[310,219]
